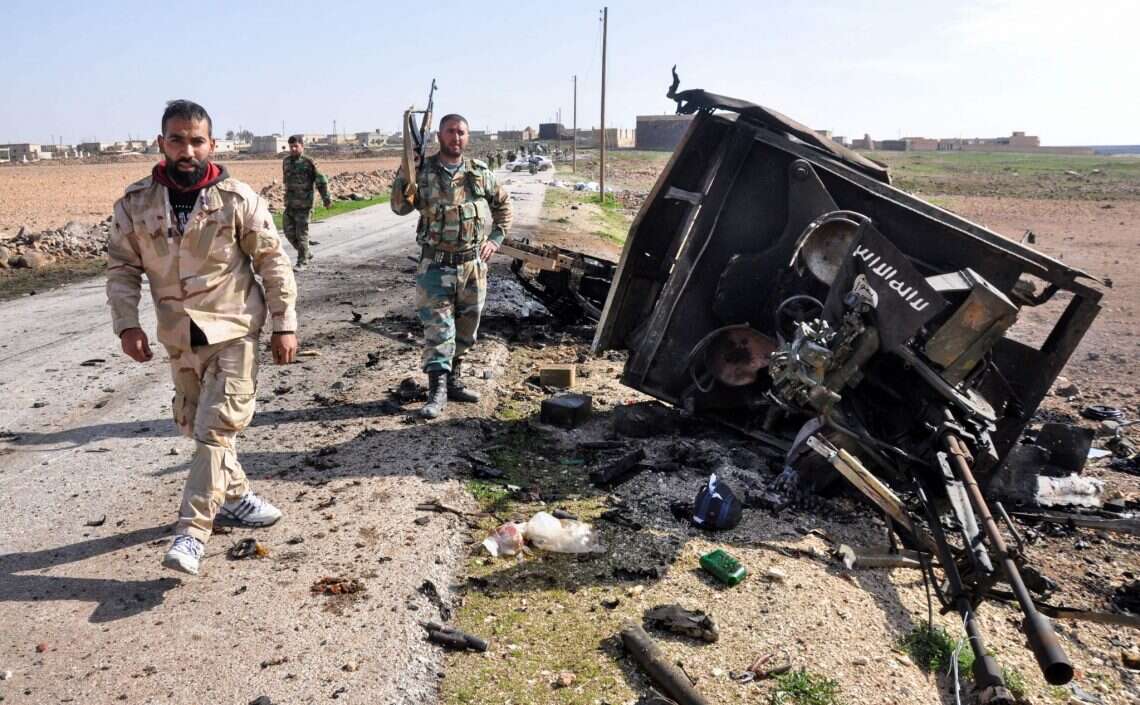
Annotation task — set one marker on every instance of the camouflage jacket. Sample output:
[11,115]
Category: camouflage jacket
[456,212]
[206,274]
[300,175]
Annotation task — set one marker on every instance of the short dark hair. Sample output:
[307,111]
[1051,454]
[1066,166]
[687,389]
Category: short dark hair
[297,139]
[452,117]
[186,110]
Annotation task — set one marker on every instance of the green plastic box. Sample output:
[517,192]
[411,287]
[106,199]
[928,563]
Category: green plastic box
[726,568]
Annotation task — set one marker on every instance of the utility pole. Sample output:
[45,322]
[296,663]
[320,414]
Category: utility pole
[574,134]
[558,122]
[282,128]
[605,25]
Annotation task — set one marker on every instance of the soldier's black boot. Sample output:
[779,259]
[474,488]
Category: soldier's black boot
[436,396]
[455,389]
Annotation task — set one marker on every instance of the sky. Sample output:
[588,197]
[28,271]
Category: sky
[1066,71]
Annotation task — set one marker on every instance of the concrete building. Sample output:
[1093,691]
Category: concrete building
[525,135]
[90,148]
[376,138]
[269,144]
[554,131]
[616,138]
[224,146]
[59,151]
[661,132]
[5,153]
[25,152]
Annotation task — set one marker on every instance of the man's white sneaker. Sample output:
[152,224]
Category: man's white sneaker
[184,554]
[250,510]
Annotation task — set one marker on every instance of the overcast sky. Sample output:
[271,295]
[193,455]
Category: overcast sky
[1065,71]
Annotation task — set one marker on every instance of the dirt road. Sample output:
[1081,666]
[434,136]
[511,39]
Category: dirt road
[92,472]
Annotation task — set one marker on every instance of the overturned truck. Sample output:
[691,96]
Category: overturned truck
[777,282]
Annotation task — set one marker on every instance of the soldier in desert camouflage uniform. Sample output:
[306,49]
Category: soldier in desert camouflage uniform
[300,175]
[464,217]
[200,236]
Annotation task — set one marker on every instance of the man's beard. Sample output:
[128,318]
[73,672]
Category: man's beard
[186,179]
[451,152]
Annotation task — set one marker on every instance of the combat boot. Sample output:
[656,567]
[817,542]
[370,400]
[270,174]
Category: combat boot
[436,396]
[455,389]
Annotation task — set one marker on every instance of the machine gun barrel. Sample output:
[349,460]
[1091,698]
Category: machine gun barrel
[1051,658]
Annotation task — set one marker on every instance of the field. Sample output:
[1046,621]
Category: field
[42,196]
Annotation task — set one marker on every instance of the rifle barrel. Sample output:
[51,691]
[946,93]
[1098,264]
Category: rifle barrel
[1051,658]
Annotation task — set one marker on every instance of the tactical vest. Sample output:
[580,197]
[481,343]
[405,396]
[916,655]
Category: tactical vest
[452,222]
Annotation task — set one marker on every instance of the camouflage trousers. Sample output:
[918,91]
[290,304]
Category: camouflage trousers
[214,388]
[295,222]
[449,301]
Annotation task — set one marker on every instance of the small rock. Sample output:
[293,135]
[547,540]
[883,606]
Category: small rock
[1064,388]
[39,404]
[5,675]
[859,661]
[1130,659]
[610,602]
[565,679]
[173,451]
[635,590]
[350,667]
[41,647]
[775,575]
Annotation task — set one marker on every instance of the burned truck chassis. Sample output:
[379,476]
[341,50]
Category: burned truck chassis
[776,282]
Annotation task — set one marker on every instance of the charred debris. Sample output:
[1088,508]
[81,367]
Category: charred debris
[777,283]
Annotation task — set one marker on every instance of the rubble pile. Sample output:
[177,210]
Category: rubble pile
[35,250]
[349,186]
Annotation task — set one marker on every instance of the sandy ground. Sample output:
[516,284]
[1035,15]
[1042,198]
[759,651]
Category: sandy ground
[42,196]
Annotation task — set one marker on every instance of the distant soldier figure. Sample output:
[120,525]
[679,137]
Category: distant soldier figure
[300,175]
[464,217]
[200,238]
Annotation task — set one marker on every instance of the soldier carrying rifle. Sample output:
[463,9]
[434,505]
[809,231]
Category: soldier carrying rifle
[464,217]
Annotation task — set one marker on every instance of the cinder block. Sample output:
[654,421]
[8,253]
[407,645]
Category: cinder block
[560,376]
[566,410]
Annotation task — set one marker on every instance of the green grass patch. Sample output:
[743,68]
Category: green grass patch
[1014,682]
[607,220]
[932,649]
[493,498]
[1048,176]
[802,687]
[338,208]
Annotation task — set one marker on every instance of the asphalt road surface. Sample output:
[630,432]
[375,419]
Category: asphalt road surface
[91,472]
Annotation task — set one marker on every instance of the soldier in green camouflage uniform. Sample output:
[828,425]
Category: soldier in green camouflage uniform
[464,216]
[300,175]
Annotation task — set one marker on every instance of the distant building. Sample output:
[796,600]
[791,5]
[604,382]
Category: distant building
[90,148]
[25,152]
[661,132]
[616,138]
[5,153]
[59,151]
[524,135]
[269,144]
[482,136]
[376,138]
[224,146]
[554,131]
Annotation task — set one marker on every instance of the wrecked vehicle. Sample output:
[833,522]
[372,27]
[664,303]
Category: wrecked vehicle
[573,286]
[776,282]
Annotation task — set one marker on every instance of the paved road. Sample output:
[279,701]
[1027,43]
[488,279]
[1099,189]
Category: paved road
[85,439]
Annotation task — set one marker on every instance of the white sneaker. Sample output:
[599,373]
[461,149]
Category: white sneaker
[250,510]
[184,554]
